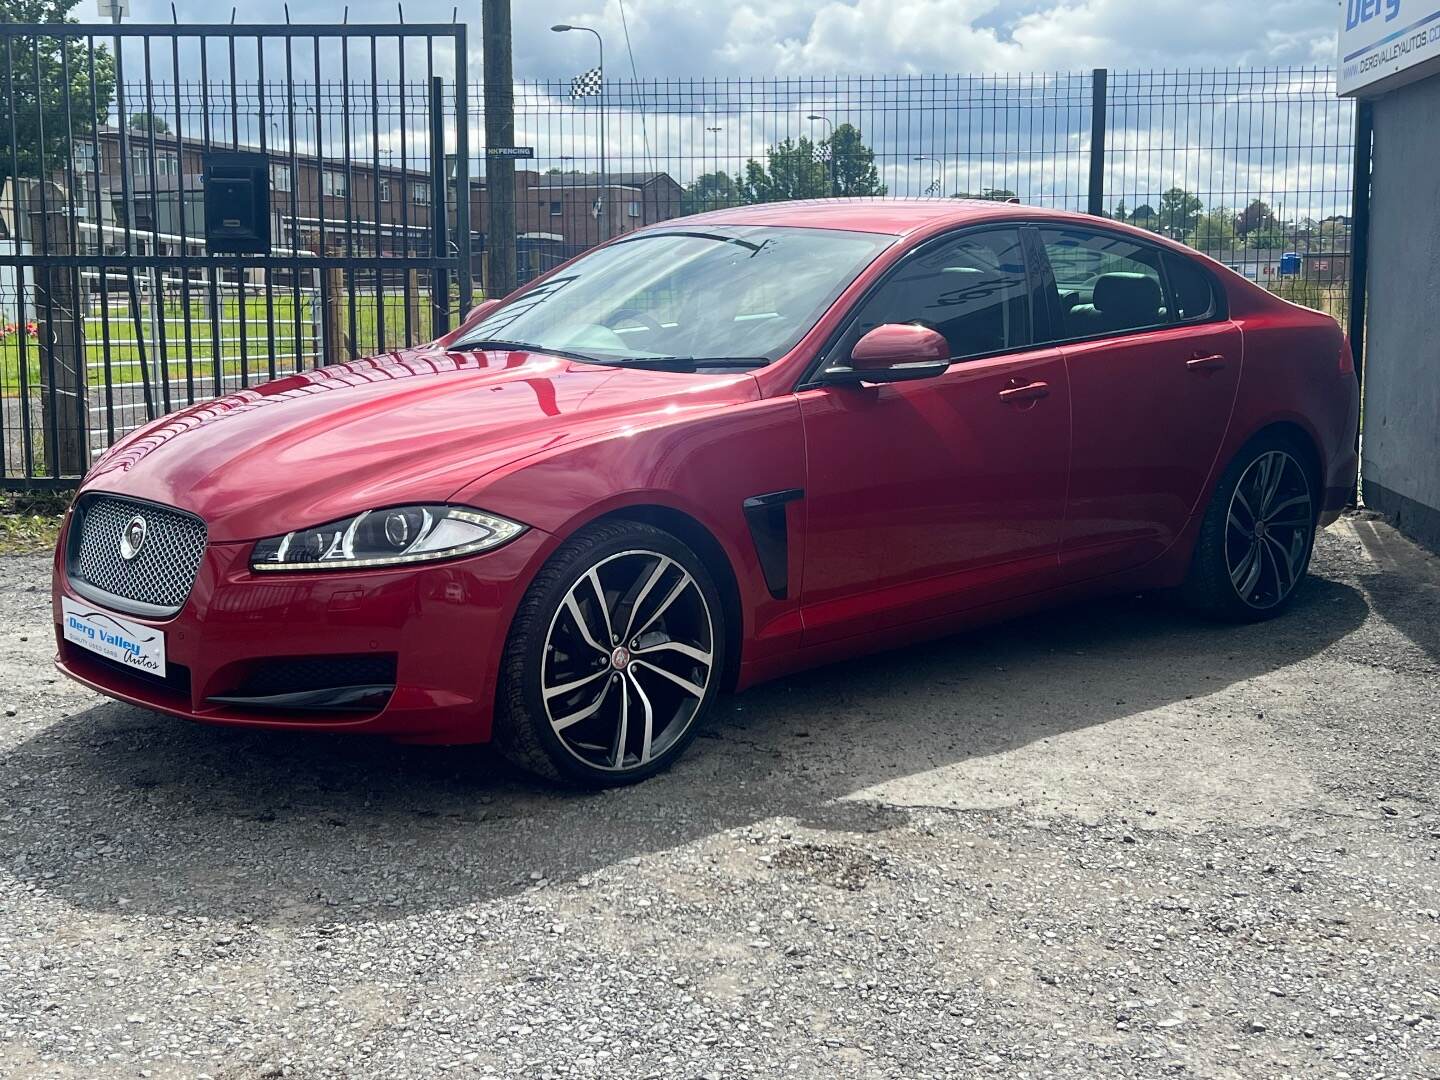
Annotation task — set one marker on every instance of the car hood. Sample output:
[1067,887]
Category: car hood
[414,426]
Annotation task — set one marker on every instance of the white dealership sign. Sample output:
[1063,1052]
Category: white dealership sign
[130,643]
[1380,39]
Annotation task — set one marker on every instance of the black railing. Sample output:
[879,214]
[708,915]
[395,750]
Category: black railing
[121,308]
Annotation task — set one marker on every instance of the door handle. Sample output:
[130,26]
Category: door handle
[1206,363]
[1026,392]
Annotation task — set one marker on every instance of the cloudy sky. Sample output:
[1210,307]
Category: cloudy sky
[812,37]
[1221,129]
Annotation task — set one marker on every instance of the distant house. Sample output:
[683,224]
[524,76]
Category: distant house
[323,204]
[585,207]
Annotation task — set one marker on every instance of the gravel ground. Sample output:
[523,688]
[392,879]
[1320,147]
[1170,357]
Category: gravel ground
[1107,841]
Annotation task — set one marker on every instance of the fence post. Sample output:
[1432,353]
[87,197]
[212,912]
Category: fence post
[338,347]
[439,218]
[317,321]
[415,312]
[1099,79]
[61,345]
[499,91]
[462,173]
[1360,231]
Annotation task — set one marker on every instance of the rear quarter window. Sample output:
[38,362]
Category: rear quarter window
[1195,292]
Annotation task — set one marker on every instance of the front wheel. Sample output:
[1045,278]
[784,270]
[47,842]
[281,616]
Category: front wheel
[613,658]
[1257,535]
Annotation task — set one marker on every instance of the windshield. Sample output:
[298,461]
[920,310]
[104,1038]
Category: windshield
[748,293]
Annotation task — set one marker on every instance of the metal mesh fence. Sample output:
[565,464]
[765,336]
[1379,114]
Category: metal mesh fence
[366,146]
[1246,165]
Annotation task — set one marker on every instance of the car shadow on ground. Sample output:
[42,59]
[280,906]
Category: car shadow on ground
[147,813]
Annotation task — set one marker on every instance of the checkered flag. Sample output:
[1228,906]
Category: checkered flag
[587,83]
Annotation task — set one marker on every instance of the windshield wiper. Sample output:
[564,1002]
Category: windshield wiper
[688,363]
[500,345]
[659,363]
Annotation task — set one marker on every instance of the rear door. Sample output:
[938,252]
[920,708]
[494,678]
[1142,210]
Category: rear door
[1154,365]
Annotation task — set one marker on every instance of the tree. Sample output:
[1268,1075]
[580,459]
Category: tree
[709,191]
[42,92]
[854,163]
[793,169]
[145,123]
[1271,237]
[802,169]
[1144,216]
[1179,212]
[1257,215]
[1120,210]
[1215,231]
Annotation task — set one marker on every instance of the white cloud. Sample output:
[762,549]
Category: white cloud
[701,38]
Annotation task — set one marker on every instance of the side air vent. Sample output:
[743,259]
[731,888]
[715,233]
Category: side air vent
[765,514]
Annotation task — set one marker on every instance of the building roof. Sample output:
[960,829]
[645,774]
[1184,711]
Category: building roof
[361,163]
[592,179]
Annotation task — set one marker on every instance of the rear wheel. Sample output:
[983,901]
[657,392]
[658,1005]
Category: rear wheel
[613,658]
[1257,536]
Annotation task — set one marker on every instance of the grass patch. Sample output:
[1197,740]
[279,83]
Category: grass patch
[262,345]
[30,522]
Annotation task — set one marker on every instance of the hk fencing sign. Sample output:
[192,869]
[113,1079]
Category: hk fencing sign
[1383,40]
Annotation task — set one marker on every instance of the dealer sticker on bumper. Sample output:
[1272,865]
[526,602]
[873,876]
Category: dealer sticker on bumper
[132,644]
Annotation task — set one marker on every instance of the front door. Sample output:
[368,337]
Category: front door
[924,498]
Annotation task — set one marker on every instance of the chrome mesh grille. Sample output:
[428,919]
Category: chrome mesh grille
[162,571]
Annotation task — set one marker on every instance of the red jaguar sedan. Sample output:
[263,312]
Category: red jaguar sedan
[706,454]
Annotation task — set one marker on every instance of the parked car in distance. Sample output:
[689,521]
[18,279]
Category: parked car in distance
[707,454]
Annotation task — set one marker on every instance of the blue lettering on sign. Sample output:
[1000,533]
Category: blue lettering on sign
[120,642]
[109,637]
[1362,11]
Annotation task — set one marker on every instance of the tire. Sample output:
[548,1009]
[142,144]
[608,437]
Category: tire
[1257,535]
[573,712]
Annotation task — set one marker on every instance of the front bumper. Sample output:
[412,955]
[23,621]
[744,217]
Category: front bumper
[443,624]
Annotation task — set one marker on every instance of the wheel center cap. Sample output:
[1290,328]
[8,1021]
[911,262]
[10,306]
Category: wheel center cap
[620,658]
[1260,528]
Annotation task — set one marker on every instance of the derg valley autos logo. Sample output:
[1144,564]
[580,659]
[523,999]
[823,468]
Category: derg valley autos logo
[92,625]
[1362,11]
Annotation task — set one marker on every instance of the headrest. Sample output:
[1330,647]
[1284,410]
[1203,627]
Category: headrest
[1128,296]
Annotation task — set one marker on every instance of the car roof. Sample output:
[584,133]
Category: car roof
[895,217]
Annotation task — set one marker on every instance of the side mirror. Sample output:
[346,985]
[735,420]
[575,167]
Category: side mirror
[894,352]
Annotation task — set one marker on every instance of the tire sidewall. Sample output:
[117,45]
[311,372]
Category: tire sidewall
[1210,561]
[576,558]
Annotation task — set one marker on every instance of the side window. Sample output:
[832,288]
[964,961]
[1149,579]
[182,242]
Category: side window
[1107,284]
[971,289]
[1192,288]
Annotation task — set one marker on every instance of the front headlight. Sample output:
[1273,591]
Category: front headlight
[402,534]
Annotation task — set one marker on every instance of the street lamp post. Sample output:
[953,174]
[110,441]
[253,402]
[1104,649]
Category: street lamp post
[934,187]
[604,202]
[834,184]
[715,130]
